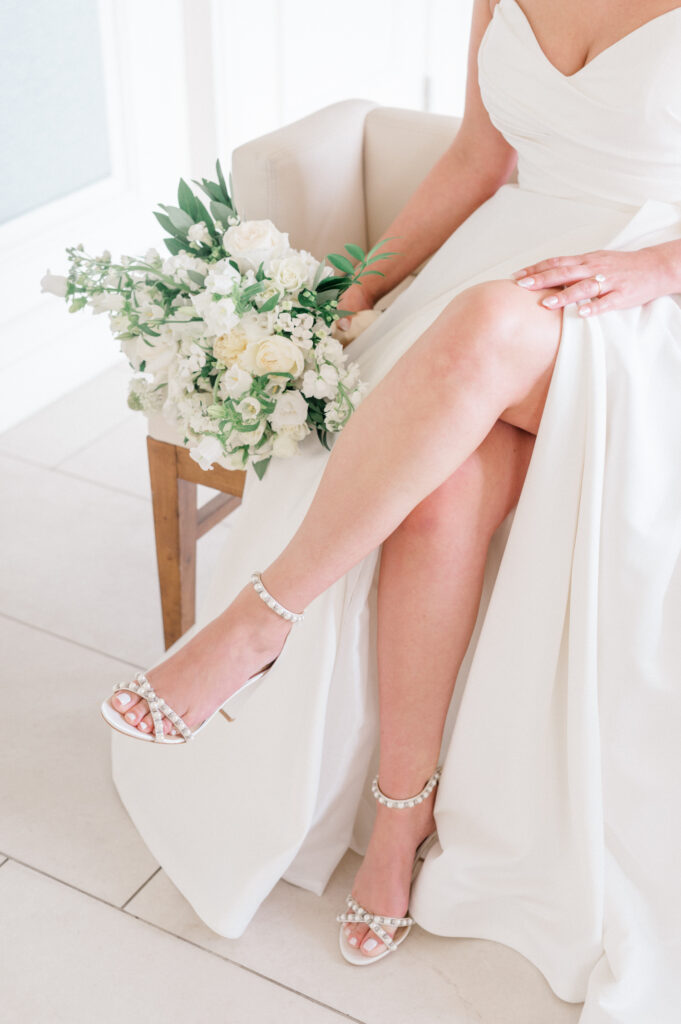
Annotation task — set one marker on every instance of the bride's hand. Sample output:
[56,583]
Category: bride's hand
[357,300]
[603,280]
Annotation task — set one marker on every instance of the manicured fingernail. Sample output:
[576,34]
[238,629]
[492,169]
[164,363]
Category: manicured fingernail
[143,726]
[353,940]
[370,944]
[344,323]
[584,310]
[130,716]
[551,301]
[123,698]
[526,282]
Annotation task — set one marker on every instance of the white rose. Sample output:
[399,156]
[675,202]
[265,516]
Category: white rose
[55,284]
[254,241]
[291,273]
[273,355]
[290,411]
[206,452]
[234,382]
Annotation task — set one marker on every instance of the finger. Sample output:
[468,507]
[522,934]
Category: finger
[554,278]
[554,261]
[587,289]
[599,305]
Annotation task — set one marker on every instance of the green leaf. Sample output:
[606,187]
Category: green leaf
[180,218]
[261,467]
[212,190]
[221,179]
[203,214]
[221,212]
[174,245]
[340,262]
[355,250]
[197,278]
[186,200]
[260,273]
[78,304]
[167,224]
[271,303]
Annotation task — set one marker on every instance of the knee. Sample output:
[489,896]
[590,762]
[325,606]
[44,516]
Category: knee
[486,321]
[460,497]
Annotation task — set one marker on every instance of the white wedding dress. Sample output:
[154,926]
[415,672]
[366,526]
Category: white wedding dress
[558,813]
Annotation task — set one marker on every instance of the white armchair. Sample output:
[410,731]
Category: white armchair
[339,175]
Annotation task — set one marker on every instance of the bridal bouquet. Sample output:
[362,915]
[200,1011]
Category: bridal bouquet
[229,336]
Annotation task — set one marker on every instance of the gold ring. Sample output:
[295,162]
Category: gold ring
[599,279]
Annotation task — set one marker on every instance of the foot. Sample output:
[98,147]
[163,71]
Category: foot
[212,666]
[383,881]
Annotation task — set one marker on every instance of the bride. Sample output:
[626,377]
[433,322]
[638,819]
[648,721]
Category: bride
[516,467]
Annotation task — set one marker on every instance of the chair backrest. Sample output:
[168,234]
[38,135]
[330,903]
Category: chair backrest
[400,147]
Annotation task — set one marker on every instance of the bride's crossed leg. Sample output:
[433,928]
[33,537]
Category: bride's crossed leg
[430,584]
[488,356]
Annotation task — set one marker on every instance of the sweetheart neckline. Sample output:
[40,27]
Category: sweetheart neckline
[602,53]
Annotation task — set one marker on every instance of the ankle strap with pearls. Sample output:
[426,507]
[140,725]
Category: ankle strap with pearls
[271,602]
[412,800]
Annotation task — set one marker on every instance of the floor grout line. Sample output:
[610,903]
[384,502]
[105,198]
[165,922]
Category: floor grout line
[73,476]
[68,640]
[139,888]
[182,938]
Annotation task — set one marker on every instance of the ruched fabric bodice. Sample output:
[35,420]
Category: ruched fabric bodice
[599,133]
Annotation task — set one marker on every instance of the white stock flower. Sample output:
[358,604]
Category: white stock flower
[253,242]
[55,284]
[284,446]
[234,382]
[222,277]
[315,387]
[106,302]
[290,411]
[330,350]
[206,452]
[198,234]
[220,316]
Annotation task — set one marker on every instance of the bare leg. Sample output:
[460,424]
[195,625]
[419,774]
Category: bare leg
[430,584]
[488,356]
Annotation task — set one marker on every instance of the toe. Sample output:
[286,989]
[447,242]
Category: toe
[372,945]
[135,714]
[124,701]
[354,933]
[146,724]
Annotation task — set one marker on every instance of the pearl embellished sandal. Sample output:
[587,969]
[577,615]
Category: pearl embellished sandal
[158,707]
[357,914]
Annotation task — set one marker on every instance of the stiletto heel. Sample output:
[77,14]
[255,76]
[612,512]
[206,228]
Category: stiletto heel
[158,708]
[357,914]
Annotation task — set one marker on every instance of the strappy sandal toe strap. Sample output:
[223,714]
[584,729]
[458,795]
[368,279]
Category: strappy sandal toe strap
[360,915]
[158,708]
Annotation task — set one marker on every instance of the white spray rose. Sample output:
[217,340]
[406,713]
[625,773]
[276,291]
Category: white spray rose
[292,272]
[234,382]
[273,355]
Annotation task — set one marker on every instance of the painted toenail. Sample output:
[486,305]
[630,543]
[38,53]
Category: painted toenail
[143,725]
[370,944]
[130,716]
[124,698]
[353,940]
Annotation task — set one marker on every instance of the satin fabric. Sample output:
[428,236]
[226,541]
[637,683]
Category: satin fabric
[557,812]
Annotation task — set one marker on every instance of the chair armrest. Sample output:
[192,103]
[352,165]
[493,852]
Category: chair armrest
[308,178]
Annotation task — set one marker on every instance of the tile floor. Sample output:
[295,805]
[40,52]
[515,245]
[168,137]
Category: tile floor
[90,927]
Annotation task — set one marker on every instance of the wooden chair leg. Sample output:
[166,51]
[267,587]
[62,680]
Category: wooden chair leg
[176,526]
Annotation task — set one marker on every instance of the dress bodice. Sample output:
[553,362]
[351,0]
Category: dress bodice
[610,132]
